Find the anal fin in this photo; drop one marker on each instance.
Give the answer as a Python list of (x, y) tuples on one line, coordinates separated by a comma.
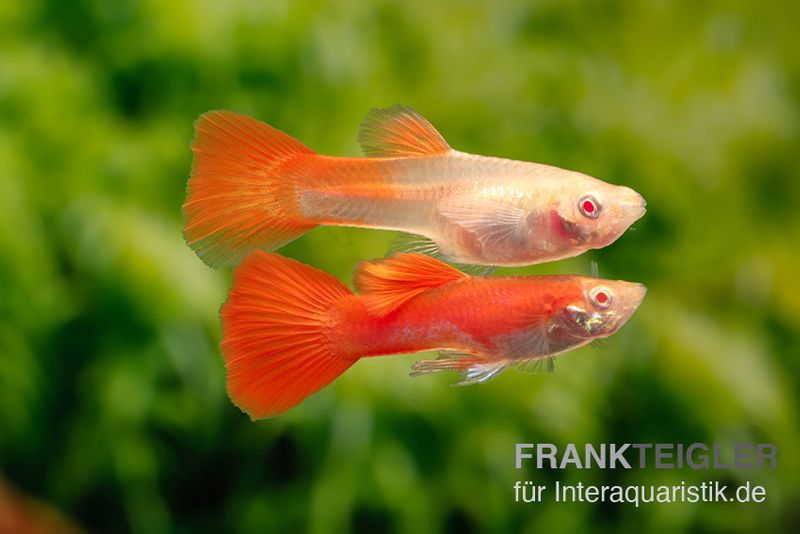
[(480, 373), (473, 368), (447, 361)]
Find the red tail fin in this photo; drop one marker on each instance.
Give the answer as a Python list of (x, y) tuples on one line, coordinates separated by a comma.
[(241, 192), (275, 334)]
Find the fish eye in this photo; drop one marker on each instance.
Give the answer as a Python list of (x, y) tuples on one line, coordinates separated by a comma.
[(589, 206), (601, 297)]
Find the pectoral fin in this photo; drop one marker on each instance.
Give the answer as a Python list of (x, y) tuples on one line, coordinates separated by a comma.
[(487, 224), (405, 242), (537, 366)]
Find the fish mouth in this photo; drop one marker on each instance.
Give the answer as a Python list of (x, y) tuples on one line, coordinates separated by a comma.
[(626, 214), (635, 208), (631, 297), (636, 295)]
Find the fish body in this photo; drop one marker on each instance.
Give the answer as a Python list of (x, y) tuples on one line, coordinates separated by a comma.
[(253, 186), (289, 329), (503, 319)]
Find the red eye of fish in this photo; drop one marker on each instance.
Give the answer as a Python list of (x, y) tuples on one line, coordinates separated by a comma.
[(601, 298), (589, 206)]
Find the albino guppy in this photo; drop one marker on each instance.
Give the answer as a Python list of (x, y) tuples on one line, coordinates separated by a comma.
[(254, 187), (289, 330)]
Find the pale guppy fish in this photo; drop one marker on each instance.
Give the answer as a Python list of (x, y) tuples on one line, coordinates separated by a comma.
[(254, 187)]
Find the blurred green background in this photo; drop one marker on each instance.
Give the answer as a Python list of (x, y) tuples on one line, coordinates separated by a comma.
[(112, 401)]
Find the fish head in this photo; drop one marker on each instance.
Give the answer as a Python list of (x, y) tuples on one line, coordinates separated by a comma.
[(601, 308), (589, 213)]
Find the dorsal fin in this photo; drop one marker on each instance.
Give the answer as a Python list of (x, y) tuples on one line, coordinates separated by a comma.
[(392, 281), (399, 131)]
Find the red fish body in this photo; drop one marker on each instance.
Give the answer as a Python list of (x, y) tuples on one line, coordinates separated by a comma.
[(289, 329), (468, 315)]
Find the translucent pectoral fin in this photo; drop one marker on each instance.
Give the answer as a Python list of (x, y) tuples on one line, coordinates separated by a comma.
[(473, 369), (475, 270), (490, 224), (536, 366), (601, 343), (405, 242)]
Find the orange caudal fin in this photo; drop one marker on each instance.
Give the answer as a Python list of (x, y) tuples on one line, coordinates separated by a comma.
[(241, 190), (275, 330)]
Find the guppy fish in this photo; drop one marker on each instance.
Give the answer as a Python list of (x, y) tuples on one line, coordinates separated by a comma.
[(289, 330), (254, 187)]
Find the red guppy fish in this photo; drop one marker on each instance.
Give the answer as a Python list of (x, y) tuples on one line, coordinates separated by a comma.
[(289, 329)]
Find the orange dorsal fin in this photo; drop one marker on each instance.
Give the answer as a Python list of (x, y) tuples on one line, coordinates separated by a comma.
[(399, 131), (390, 282)]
